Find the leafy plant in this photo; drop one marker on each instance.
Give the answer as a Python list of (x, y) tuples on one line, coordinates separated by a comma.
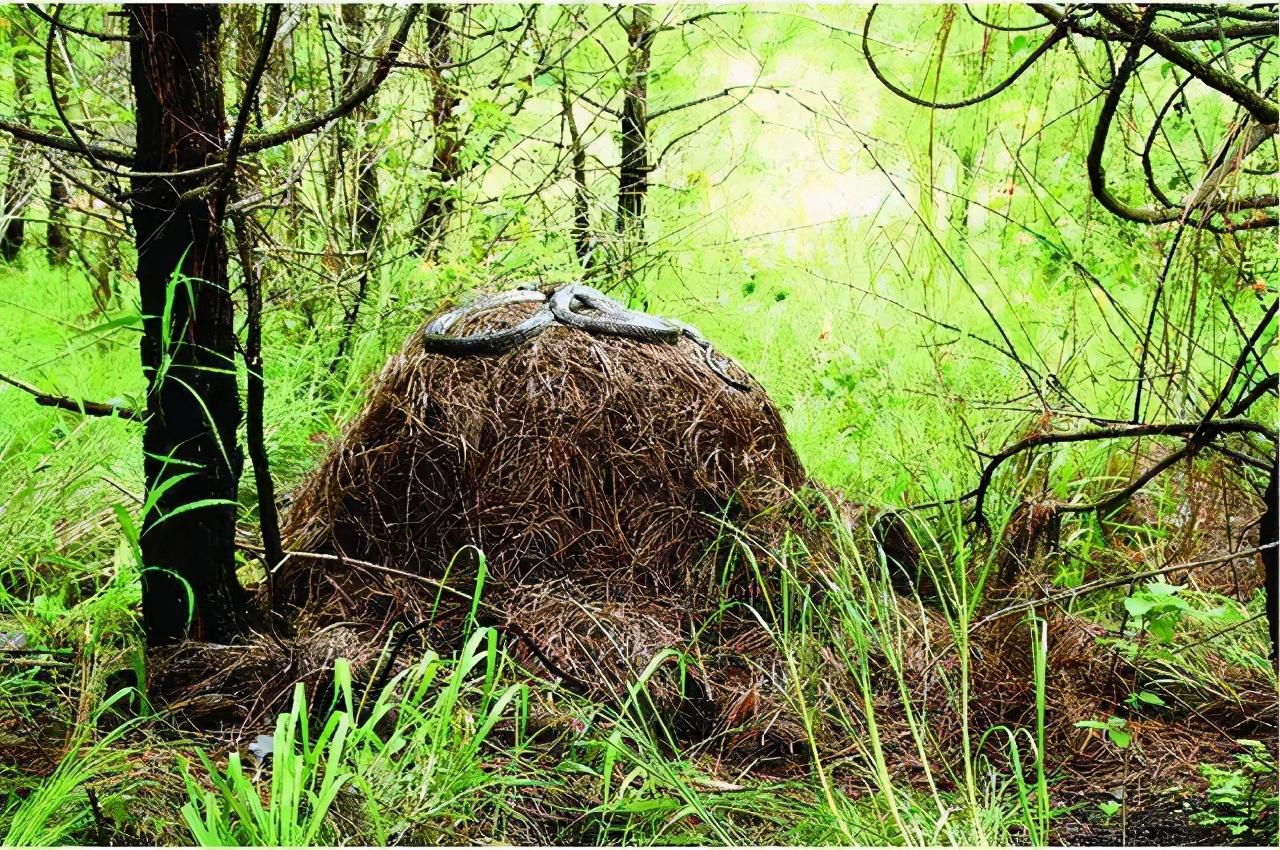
[(306, 776), (1157, 609), (421, 767), (1115, 727), (1242, 799), (58, 808)]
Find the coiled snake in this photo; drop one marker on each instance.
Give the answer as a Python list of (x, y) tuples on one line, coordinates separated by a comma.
[(566, 306)]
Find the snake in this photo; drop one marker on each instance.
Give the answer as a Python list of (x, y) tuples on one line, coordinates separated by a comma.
[(714, 362), (610, 319), (436, 337)]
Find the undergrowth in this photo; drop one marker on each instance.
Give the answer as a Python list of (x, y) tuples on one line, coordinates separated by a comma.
[(460, 750)]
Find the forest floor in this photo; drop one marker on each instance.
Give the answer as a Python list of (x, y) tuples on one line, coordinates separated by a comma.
[(1118, 712)]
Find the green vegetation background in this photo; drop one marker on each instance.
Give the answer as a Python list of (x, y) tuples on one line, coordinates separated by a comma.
[(839, 243)]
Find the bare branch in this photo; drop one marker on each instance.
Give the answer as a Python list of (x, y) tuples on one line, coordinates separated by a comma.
[(1053, 38), (358, 95), (88, 408), (266, 42)]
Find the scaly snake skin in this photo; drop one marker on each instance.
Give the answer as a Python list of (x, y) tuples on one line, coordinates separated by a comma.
[(564, 306)]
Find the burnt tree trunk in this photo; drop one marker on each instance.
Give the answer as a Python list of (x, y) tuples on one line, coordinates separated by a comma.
[(633, 173), (581, 210), (57, 248), (192, 460), (368, 212), (1269, 536), (445, 168)]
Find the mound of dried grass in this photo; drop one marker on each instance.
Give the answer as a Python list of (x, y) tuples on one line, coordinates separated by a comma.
[(601, 460), (600, 476)]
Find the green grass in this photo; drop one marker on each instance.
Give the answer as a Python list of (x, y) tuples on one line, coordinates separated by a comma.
[(443, 775), (819, 271)]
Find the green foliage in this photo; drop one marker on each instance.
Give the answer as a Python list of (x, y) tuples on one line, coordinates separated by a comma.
[(410, 761), (305, 781), (58, 809), (1157, 609), (1242, 798), (881, 269), (1116, 728)]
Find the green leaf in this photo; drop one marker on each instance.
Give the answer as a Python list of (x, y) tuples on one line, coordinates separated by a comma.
[(1161, 629), (1160, 588), (1138, 606), (1109, 808)]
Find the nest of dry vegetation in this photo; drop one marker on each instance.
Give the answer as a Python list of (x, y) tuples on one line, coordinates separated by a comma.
[(630, 501), (603, 463), (623, 494)]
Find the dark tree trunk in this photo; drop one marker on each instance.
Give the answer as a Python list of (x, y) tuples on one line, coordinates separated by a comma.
[(633, 173), (581, 211), (368, 210), (192, 462), (57, 248), (14, 232), (444, 159)]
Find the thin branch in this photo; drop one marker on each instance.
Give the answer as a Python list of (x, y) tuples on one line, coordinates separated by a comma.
[(725, 92), (268, 518), (1044, 47), (270, 27), (358, 95), (88, 408), (100, 36), (1238, 366), (61, 143), (1269, 384), (1204, 427), (54, 27), (1103, 584)]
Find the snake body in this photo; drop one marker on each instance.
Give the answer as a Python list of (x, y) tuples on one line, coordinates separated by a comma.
[(608, 317), (612, 318), (715, 363), (437, 338)]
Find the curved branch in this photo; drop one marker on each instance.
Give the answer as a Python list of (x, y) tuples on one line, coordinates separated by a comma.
[(1110, 502), (1003, 27), (1157, 126), (100, 36), (1142, 215), (1052, 39), (1262, 109), (270, 27), (1206, 428), (358, 95), (1093, 162), (54, 27)]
